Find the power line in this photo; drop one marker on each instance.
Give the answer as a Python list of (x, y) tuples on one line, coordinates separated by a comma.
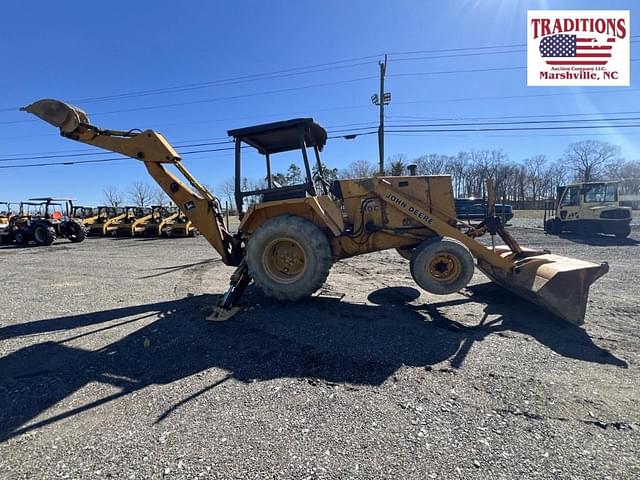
[(177, 144), (278, 74), (510, 97), (85, 154), (428, 119), (522, 122), (501, 129), (223, 82), (217, 99), (211, 84), (455, 55), (304, 70), (192, 152), (474, 70), (205, 122)]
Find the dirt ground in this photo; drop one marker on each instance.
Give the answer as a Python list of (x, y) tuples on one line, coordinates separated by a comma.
[(109, 370)]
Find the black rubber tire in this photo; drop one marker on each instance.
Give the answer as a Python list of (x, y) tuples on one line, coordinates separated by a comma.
[(43, 235), (77, 232), (624, 233), (20, 238), (427, 251), (548, 225), (555, 226), (309, 239), (406, 252)]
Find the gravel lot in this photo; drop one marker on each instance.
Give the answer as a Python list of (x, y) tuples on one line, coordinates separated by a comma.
[(109, 370)]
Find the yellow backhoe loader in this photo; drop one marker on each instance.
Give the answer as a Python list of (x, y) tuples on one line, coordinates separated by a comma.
[(161, 216), (107, 221), (134, 221), (289, 237)]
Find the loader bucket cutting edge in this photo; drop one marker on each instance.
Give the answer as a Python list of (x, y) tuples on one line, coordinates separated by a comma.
[(59, 114), (557, 284)]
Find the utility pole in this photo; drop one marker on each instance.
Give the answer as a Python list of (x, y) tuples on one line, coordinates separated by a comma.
[(381, 100)]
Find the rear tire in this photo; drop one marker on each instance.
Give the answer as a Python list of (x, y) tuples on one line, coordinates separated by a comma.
[(553, 226), (441, 266), (288, 257), (43, 235), (624, 233)]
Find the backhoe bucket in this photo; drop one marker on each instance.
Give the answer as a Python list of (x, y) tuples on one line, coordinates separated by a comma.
[(59, 114), (557, 284)]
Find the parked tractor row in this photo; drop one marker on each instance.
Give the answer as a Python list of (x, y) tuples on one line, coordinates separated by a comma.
[(41, 221), (156, 221)]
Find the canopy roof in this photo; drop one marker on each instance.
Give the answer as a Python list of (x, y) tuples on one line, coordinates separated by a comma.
[(50, 199), (282, 136)]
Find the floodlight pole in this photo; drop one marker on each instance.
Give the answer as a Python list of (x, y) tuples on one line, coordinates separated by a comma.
[(383, 70)]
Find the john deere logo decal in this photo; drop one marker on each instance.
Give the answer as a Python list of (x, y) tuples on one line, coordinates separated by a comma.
[(578, 47)]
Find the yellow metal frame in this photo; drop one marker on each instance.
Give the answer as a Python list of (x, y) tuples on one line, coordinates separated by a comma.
[(108, 224)]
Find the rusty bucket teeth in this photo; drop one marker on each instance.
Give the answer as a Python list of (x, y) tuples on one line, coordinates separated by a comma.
[(557, 284), (59, 114)]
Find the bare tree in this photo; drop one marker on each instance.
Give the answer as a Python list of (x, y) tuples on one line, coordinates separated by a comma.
[(228, 190), (141, 194), (397, 164), (630, 176), (432, 164), (359, 169), (458, 167), (159, 197), (536, 167), (590, 158), (112, 196)]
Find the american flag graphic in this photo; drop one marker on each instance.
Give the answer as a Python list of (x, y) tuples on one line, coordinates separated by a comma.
[(565, 49)]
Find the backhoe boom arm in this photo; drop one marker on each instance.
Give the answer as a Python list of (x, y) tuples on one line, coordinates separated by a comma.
[(150, 147)]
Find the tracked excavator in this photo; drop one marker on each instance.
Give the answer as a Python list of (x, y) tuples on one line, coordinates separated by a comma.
[(289, 236)]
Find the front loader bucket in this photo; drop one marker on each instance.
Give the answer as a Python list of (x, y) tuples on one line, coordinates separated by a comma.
[(557, 284), (59, 114)]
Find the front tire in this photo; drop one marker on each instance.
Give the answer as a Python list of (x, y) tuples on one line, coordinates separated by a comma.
[(43, 235), (20, 238), (77, 232), (441, 266), (288, 257)]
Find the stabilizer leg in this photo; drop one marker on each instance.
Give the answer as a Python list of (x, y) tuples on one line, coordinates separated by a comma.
[(228, 305)]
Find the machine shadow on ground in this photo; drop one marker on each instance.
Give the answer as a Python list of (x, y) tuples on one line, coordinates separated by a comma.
[(63, 245), (598, 240), (322, 338)]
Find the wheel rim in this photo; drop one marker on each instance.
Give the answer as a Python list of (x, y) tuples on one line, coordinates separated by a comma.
[(284, 260), (39, 235), (444, 267)]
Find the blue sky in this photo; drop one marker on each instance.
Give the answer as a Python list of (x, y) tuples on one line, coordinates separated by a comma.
[(79, 51)]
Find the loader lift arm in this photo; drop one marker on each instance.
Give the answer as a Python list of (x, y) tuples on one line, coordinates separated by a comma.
[(152, 148)]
